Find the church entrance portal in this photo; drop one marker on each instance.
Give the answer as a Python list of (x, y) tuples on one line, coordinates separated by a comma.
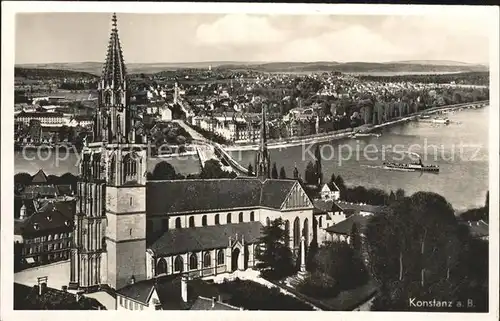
[(234, 259)]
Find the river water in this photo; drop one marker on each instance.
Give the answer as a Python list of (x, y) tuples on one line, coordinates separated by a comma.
[(460, 149)]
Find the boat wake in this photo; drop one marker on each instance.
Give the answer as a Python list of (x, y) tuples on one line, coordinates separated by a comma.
[(372, 166)]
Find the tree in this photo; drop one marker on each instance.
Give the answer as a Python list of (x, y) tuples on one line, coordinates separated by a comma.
[(332, 179), (310, 174), (282, 173), (250, 170), (68, 179), (274, 254), (20, 181), (311, 253), (64, 133), (392, 197), (339, 181), (356, 239), (412, 248), (163, 171), (213, 169), (339, 268), (400, 194), (295, 172), (274, 172), (318, 168)]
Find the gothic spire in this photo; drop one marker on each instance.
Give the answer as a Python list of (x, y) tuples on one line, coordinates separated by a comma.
[(263, 159), (263, 136), (113, 72)]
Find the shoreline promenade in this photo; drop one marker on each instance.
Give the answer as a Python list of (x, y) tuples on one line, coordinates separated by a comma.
[(345, 133)]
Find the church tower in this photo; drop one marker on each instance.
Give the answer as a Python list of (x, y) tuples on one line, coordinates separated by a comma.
[(263, 162), (110, 231)]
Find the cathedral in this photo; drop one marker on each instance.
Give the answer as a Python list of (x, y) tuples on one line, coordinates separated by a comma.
[(128, 229)]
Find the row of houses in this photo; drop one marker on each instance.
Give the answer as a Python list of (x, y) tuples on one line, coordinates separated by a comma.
[(43, 222), (53, 119)]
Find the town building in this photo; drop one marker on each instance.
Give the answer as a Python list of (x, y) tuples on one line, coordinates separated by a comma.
[(45, 118), (41, 297), (171, 293), (478, 229), (43, 232), (40, 188)]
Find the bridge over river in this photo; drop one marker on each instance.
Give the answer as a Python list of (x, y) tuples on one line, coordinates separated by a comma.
[(208, 150)]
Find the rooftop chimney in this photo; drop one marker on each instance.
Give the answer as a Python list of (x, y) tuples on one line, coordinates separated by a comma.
[(184, 293), (132, 279), (213, 302)]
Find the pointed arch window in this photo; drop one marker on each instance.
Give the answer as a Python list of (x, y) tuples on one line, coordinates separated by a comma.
[(118, 98), (217, 219), (161, 267), (193, 262), (130, 167), (118, 127), (252, 216), (178, 264), (107, 98), (207, 259), (96, 166), (220, 257), (178, 222), (228, 218), (112, 170), (191, 221), (240, 217), (204, 220)]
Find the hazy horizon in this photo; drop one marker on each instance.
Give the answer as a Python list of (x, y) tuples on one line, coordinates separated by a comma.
[(47, 38), (249, 62)]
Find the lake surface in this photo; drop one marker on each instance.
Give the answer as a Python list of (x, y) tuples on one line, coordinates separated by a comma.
[(462, 180), (463, 176)]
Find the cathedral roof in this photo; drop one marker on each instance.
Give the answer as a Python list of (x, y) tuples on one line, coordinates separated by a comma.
[(192, 196), (184, 240), (114, 67)]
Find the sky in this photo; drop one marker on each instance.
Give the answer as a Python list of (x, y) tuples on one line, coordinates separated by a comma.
[(173, 38)]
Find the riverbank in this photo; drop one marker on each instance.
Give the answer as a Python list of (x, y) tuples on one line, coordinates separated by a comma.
[(345, 133)]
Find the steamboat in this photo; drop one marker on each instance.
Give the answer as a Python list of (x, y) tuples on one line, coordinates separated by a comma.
[(412, 167)]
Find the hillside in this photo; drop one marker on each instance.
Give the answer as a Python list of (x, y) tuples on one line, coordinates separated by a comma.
[(49, 73), (420, 66)]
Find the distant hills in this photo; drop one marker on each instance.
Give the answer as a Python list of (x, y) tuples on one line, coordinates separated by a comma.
[(413, 66)]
